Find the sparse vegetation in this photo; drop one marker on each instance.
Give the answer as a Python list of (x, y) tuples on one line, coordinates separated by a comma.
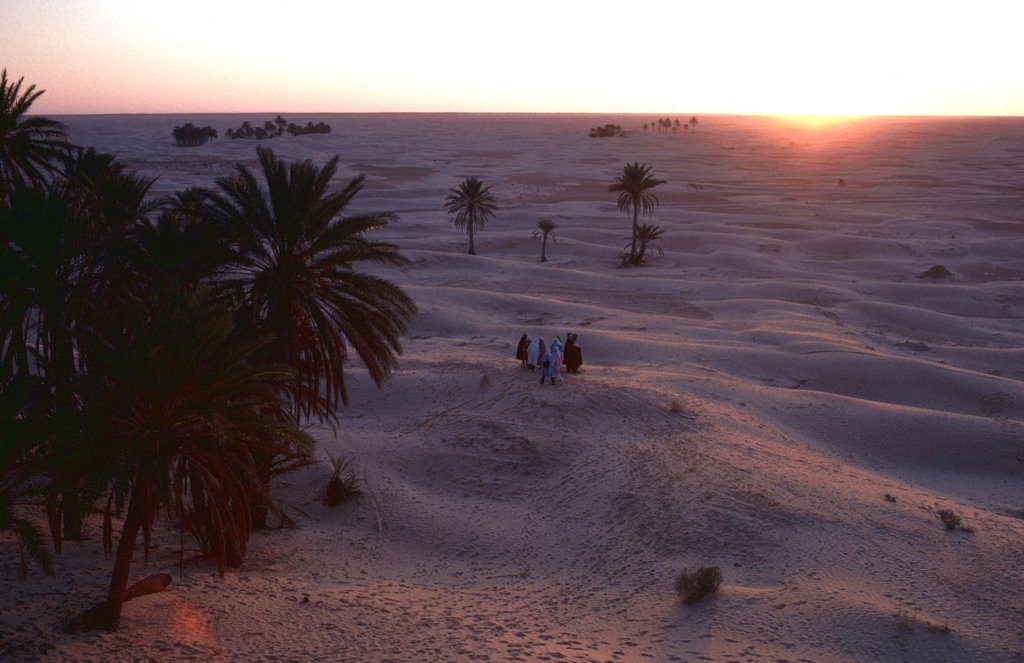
[(607, 131), (189, 135), (343, 484), (276, 128), (949, 519), (890, 498), (907, 622), (545, 229), (470, 204), (692, 586), (634, 187)]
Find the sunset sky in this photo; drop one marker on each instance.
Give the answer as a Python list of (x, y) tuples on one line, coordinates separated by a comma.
[(757, 57)]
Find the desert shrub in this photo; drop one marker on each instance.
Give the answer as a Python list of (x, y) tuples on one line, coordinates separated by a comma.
[(343, 485), (485, 381), (692, 586), (949, 519), (890, 498)]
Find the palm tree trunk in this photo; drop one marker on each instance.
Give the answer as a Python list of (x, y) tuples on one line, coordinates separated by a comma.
[(472, 249), (123, 557), (632, 250), (544, 249)]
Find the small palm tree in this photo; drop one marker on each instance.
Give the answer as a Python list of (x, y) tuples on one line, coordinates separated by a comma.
[(635, 196), (545, 229), (30, 147), (693, 123), (472, 204), (646, 235)]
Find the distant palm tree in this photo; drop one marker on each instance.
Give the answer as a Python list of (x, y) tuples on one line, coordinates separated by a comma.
[(545, 229), (472, 204), (693, 123), (294, 280), (30, 147), (646, 235), (635, 196), (181, 407)]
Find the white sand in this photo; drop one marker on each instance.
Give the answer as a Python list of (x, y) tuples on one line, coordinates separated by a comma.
[(747, 401)]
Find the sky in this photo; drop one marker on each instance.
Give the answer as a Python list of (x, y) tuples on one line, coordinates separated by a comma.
[(812, 57)]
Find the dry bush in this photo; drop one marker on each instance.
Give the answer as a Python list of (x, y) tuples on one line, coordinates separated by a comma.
[(343, 485), (949, 519), (890, 498), (692, 586)]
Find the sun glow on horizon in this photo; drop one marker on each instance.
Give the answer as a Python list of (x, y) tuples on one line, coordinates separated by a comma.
[(792, 57)]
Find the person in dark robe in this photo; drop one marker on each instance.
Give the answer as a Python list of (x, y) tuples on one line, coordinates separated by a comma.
[(524, 342), (573, 353)]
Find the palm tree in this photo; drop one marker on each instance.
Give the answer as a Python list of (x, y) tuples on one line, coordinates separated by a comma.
[(472, 204), (693, 123), (182, 408), (635, 196), (30, 147), (646, 235), (63, 246), (545, 229), (294, 280)]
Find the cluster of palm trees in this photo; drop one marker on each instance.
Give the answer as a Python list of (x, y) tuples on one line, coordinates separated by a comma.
[(189, 135), (276, 128), (668, 124), (157, 357), (471, 204)]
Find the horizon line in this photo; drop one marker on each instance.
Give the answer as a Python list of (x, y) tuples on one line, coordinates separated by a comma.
[(604, 113)]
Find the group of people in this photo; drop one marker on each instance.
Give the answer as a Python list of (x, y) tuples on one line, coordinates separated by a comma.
[(534, 355)]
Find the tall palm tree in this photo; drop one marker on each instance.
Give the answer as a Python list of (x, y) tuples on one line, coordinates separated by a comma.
[(63, 247), (635, 196), (294, 276), (182, 407), (545, 229), (472, 204), (30, 147), (294, 279)]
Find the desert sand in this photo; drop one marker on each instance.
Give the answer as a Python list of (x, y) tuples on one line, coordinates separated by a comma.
[(748, 401)]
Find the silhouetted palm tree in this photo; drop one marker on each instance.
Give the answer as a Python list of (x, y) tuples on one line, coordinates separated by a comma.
[(472, 204), (181, 407), (294, 280), (63, 246), (646, 235), (545, 229), (30, 147), (693, 123), (635, 196), (295, 276)]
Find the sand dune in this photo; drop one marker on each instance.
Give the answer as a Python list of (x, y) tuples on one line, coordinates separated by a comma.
[(748, 400)]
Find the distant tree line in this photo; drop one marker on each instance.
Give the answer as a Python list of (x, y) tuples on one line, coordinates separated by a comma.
[(607, 131), (668, 124), (276, 128), (189, 135)]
